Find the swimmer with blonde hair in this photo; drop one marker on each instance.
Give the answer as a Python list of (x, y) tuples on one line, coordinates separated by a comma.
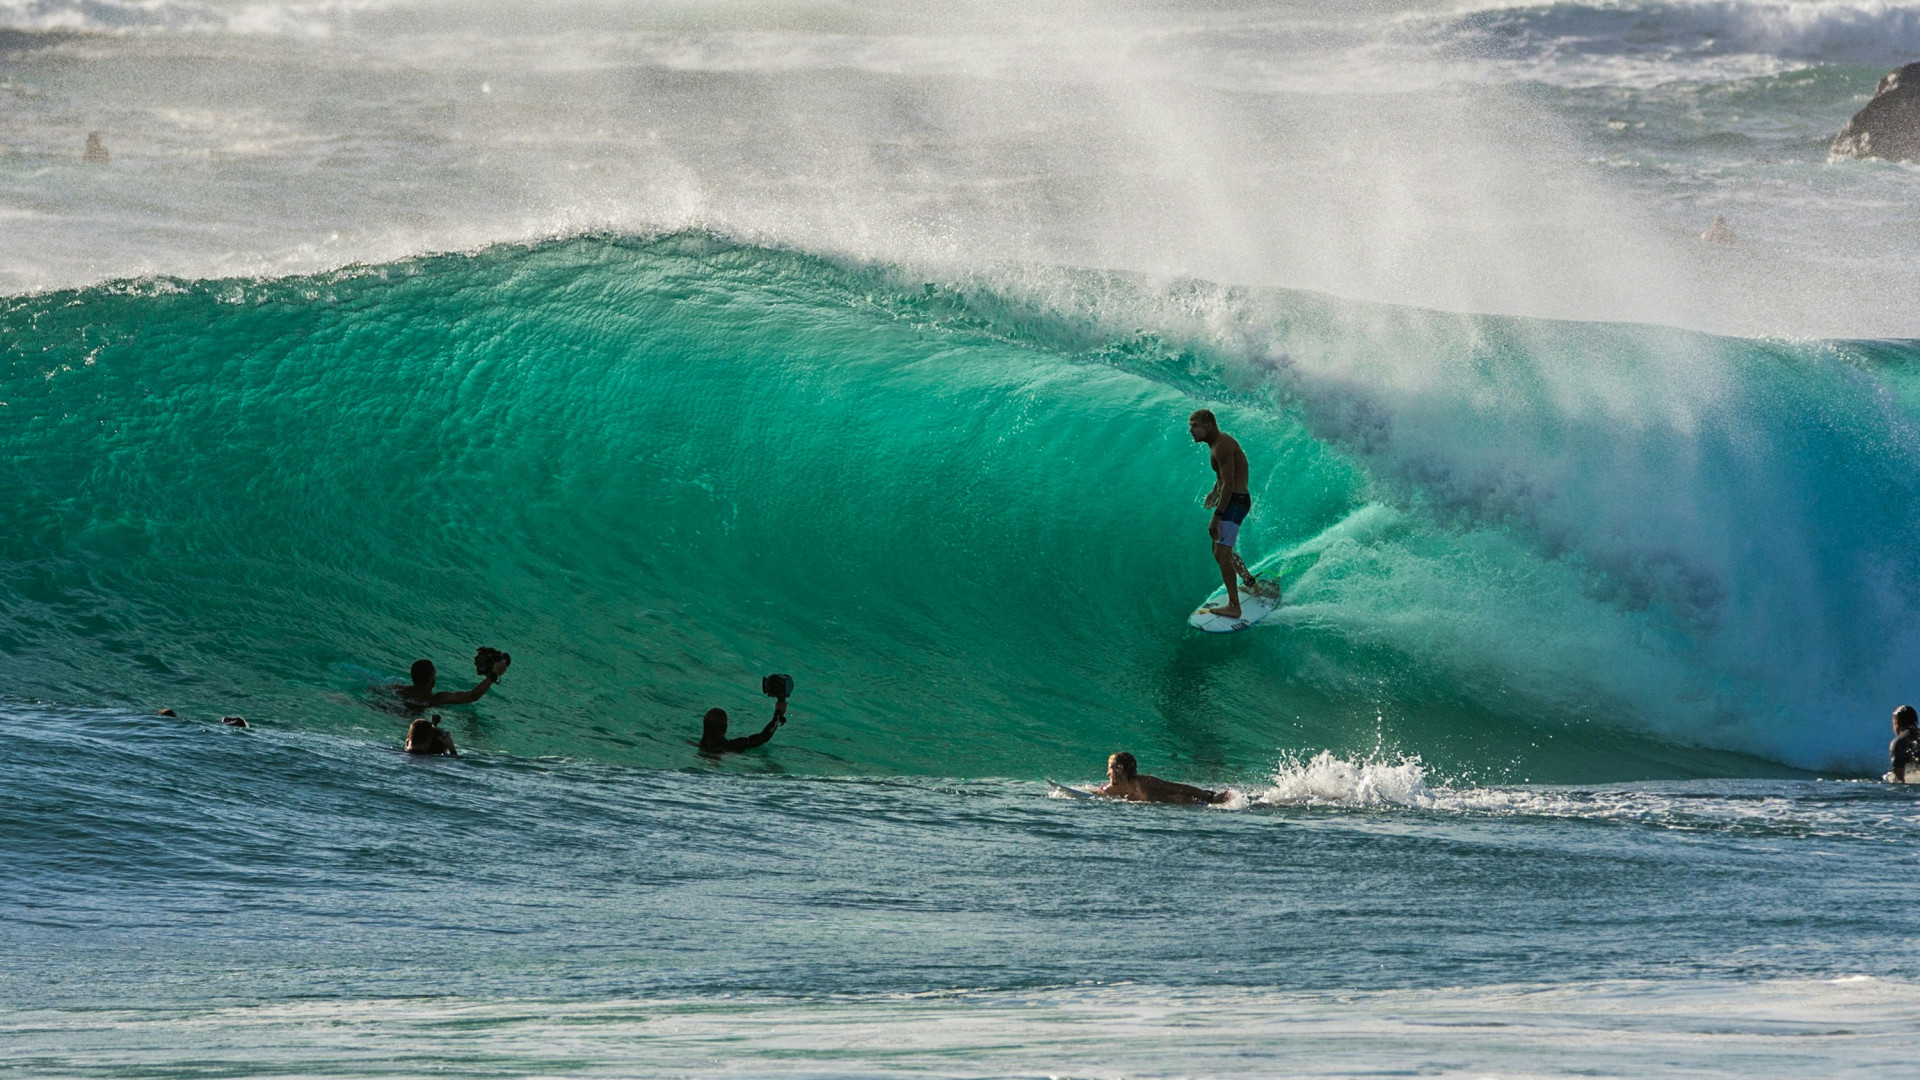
[(425, 737)]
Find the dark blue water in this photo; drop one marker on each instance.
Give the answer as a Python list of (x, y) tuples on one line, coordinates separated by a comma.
[(179, 892)]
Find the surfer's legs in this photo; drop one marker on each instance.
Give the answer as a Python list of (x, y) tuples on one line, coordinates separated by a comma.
[(1268, 589), (1228, 561), (1231, 568)]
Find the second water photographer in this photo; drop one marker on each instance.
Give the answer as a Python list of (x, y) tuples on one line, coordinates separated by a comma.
[(713, 726)]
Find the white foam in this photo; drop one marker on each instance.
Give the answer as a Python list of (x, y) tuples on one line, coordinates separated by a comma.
[(1652, 1028), (1326, 780), (1385, 782)]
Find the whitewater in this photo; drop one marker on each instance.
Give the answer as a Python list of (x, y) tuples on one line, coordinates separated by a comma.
[(671, 344)]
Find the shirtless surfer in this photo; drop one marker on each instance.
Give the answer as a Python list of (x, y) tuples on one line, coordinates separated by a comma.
[(1230, 502), (1126, 781)]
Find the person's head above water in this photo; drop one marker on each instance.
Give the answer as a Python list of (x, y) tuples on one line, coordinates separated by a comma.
[(713, 726), (1904, 717), (1122, 766), (424, 736), (423, 673), (1202, 425)]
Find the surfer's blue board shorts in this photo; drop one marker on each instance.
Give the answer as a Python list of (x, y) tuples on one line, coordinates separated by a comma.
[(1231, 515)]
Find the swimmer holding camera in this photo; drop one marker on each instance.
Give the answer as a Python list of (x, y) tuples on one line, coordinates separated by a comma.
[(488, 663), (713, 726)]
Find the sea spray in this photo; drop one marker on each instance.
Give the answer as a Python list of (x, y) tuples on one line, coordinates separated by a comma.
[(1326, 780)]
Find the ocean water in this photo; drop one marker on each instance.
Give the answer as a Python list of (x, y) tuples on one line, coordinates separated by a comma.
[(666, 345)]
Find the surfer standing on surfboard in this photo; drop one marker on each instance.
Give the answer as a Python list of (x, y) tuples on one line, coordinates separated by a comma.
[(1230, 501)]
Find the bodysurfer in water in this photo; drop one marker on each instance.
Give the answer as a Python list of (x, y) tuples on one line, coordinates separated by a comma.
[(1126, 781), (1230, 502)]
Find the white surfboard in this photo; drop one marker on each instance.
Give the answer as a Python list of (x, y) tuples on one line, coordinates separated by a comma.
[(1252, 609), (1066, 792)]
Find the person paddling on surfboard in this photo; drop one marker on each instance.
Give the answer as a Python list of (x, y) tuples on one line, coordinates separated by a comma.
[(1230, 501), (1126, 781)]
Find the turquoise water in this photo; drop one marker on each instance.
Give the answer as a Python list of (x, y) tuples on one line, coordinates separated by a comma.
[(966, 517), (666, 345), (1556, 762)]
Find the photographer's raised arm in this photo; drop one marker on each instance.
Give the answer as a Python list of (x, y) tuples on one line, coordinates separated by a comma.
[(464, 697), (420, 693), (758, 738), (713, 733)]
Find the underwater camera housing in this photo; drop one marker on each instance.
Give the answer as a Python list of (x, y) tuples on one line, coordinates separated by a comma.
[(777, 686), (486, 658)]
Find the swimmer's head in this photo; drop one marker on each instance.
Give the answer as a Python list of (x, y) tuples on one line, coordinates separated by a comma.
[(423, 673), (713, 726), (421, 738), (1904, 717), (1123, 764)]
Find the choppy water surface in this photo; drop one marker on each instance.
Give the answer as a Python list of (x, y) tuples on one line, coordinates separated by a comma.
[(201, 901)]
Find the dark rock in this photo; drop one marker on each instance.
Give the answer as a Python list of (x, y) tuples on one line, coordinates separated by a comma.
[(1889, 127)]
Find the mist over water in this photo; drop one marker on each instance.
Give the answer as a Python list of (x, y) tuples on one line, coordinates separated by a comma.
[(1553, 160)]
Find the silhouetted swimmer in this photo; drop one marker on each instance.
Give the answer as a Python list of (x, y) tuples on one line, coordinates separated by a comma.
[(234, 721), (713, 726), (96, 151), (166, 712), (420, 693), (1905, 748), (1126, 781), (425, 736), (1719, 232)]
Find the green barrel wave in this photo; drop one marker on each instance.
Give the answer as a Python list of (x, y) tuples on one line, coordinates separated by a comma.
[(967, 519)]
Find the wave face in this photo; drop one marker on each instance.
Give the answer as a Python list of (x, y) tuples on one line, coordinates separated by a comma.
[(965, 515)]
